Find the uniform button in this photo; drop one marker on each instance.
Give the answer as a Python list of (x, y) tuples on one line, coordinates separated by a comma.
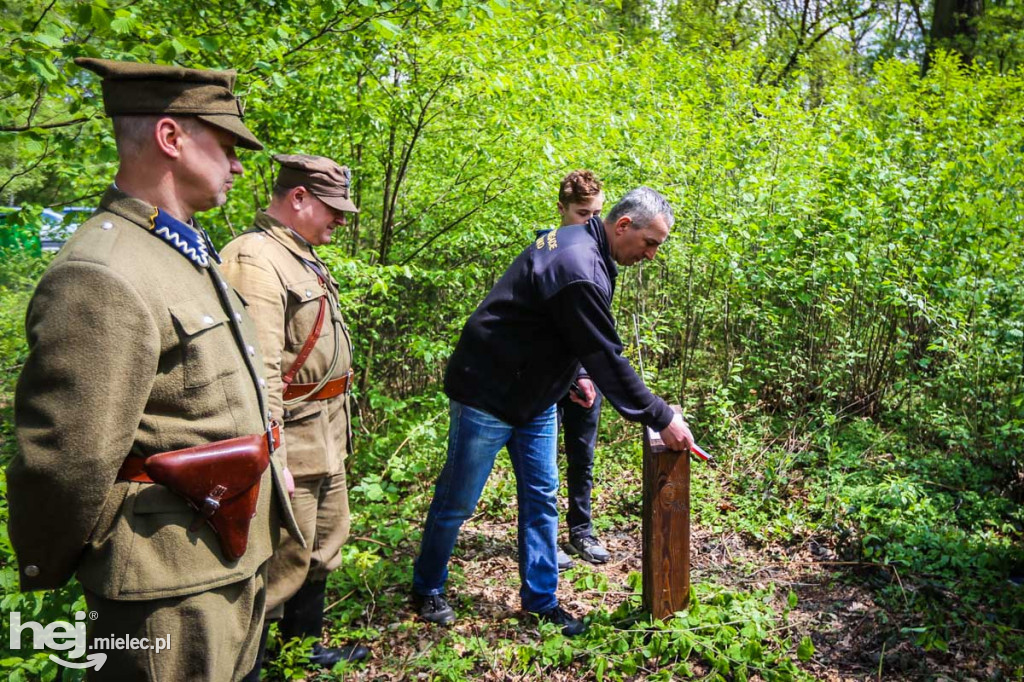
[(106, 226), (207, 319), (263, 382), (238, 316), (223, 285), (309, 293), (31, 570), (251, 351)]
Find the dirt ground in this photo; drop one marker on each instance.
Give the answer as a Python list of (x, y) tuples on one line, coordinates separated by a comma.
[(853, 638)]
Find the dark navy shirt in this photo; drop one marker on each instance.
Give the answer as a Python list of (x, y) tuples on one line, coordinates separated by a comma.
[(549, 312)]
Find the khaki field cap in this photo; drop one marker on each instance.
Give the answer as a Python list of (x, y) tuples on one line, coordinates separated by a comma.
[(133, 88), (328, 181)]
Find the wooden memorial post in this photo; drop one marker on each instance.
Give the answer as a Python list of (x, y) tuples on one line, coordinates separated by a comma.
[(666, 527)]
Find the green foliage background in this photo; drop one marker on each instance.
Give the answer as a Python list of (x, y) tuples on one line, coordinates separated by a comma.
[(840, 308)]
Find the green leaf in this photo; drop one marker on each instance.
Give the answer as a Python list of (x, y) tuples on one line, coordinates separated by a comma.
[(549, 152), (123, 23), (209, 43), (42, 68), (805, 650), (99, 18), (190, 44), (166, 50), (387, 29), (48, 39)]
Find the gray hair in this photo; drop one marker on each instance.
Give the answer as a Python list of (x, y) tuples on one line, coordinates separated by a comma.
[(643, 205)]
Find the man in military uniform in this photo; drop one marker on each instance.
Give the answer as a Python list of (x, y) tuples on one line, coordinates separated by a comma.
[(308, 360), (138, 347), (517, 355)]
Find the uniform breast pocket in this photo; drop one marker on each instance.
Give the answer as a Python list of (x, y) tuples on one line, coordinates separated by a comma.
[(305, 300), (208, 349)]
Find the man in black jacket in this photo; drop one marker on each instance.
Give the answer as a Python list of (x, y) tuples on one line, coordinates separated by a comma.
[(517, 355)]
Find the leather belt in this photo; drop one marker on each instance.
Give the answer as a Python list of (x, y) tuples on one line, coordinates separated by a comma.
[(134, 468), (332, 388)]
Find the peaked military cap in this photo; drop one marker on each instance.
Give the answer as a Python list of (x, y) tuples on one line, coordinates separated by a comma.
[(328, 181), (133, 88)]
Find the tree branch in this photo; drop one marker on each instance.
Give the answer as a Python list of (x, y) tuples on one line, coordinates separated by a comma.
[(40, 19), (72, 202), (61, 124), (465, 215), (805, 48), (46, 151), (919, 19)]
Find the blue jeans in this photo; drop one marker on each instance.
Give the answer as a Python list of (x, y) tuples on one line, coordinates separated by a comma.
[(474, 439), (579, 426)]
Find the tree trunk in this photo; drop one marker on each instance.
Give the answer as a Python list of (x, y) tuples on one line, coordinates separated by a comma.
[(954, 27)]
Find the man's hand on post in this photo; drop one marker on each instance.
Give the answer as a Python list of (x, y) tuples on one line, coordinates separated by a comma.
[(586, 387), (676, 435)]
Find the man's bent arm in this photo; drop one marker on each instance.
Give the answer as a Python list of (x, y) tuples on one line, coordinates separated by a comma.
[(585, 321), (93, 354)]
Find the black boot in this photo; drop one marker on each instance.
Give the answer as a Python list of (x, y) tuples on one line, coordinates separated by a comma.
[(304, 617), (254, 674)]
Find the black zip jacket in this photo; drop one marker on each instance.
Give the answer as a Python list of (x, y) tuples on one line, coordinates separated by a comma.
[(550, 311)]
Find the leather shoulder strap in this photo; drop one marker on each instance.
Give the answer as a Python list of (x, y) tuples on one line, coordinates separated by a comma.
[(311, 340)]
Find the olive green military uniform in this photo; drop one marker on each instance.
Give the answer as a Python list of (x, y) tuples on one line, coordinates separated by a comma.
[(136, 349), (279, 274)]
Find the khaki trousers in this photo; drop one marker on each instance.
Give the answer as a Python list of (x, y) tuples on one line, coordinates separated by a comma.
[(321, 511), (213, 635)]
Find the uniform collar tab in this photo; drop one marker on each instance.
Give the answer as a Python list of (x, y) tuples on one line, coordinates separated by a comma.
[(191, 241)]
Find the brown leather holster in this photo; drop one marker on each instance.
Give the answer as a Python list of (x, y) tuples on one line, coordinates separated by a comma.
[(220, 480)]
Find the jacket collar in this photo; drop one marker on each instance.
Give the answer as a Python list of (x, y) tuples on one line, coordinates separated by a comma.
[(295, 244), (188, 239), (280, 232), (128, 207), (595, 225)]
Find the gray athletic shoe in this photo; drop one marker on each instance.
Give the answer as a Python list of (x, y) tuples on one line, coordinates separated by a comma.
[(565, 562), (589, 549)]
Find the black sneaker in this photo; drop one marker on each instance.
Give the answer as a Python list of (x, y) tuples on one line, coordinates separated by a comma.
[(559, 616), (328, 657), (589, 549), (434, 608)]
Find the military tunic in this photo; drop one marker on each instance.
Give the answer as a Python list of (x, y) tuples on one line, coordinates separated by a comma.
[(280, 276), (132, 352)]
